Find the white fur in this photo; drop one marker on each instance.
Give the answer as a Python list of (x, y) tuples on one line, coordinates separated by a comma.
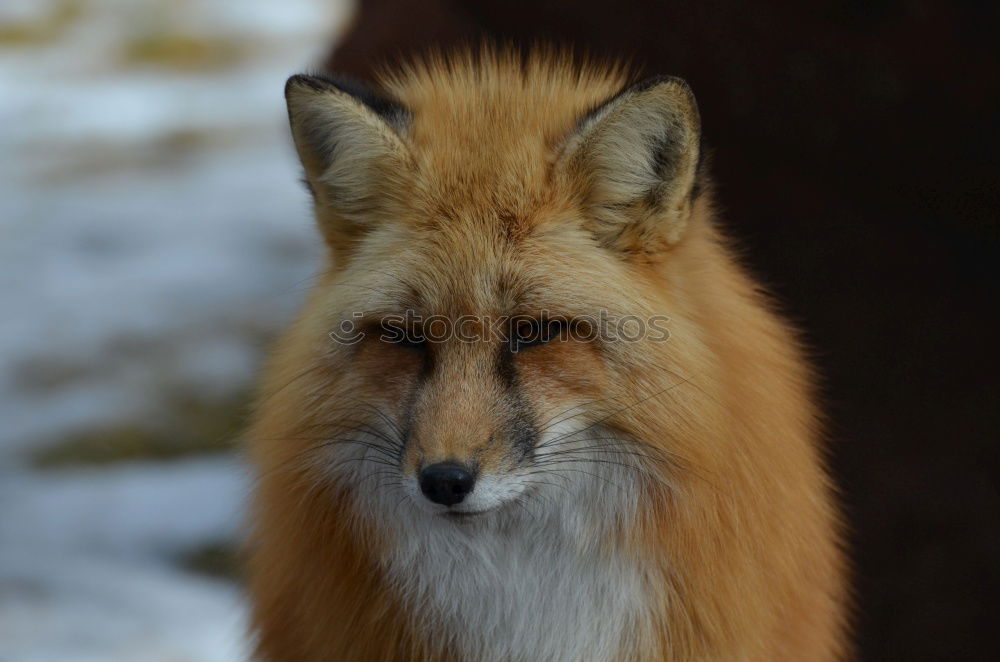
[(535, 578)]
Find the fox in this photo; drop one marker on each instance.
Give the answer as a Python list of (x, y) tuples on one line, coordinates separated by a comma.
[(476, 441)]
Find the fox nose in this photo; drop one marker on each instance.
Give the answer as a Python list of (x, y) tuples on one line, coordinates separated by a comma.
[(446, 483)]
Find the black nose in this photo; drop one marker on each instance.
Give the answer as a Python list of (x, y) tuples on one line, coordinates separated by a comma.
[(446, 483)]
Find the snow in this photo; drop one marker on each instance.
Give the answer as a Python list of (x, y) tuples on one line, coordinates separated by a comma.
[(153, 236), (81, 607), (136, 511), (86, 562)]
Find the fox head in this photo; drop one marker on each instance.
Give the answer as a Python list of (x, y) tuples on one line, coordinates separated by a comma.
[(532, 407), (505, 249)]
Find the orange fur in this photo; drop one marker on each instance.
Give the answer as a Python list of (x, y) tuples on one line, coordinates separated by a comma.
[(475, 208)]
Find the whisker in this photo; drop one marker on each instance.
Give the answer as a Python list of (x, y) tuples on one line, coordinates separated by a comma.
[(581, 471), (545, 482), (624, 465), (550, 422), (603, 449), (619, 411)]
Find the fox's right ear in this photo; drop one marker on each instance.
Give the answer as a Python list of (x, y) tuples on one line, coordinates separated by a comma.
[(634, 161), (349, 140)]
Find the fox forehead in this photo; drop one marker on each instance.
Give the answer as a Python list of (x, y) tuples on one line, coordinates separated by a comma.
[(456, 270), (483, 139)]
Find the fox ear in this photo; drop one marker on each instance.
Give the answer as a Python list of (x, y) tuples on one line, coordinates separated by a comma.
[(349, 141), (634, 162)]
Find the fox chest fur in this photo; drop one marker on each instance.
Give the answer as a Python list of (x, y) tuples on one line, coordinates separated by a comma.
[(528, 589), (533, 409)]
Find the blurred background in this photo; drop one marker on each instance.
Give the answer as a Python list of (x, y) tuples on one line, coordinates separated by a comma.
[(153, 239)]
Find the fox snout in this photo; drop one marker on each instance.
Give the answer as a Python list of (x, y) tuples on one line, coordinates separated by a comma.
[(444, 476), (472, 480), (468, 432)]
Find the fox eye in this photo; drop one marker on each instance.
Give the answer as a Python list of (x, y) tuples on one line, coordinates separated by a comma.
[(395, 334), (525, 333)]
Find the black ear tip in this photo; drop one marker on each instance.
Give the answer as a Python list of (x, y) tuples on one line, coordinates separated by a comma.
[(379, 103), (303, 80)]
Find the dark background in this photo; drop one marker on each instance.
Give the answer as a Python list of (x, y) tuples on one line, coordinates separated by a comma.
[(855, 151)]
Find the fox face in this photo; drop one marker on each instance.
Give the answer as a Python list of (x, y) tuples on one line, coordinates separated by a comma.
[(486, 377), (484, 255)]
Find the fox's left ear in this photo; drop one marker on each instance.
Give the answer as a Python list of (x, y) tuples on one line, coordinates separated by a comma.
[(634, 163), (350, 141)]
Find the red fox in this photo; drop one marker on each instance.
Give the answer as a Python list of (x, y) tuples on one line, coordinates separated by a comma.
[(533, 409)]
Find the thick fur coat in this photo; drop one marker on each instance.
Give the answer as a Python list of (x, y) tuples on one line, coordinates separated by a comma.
[(638, 495)]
